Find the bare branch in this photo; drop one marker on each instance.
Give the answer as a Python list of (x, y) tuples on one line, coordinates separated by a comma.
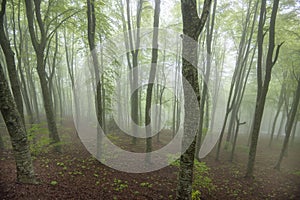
[(65, 19), (277, 53), (204, 16)]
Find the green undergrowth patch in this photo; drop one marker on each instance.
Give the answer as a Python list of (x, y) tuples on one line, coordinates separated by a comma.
[(119, 185), (202, 180), (297, 172)]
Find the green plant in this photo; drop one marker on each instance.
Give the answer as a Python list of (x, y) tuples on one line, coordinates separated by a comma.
[(53, 183), (120, 185), (38, 139), (297, 173), (61, 164), (146, 184), (202, 179), (196, 194), (172, 160), (112, 137)]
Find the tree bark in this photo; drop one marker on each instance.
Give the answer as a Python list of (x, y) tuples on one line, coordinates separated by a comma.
[(10, 62), (192, 27), (17, 132)]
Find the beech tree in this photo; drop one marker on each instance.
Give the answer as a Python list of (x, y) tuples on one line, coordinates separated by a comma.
[(263, 77), (91, 39), (289, 124), (192, 27), (152, 78), (16, 129), (40, 37), (10, 62)]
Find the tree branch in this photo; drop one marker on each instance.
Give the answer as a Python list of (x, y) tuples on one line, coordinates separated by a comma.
[(3, 6), (204, 16), (56, 17), (65, 19), (277, 53)]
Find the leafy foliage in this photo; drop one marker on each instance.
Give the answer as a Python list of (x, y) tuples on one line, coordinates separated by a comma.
[(202, 181), (38, 139)]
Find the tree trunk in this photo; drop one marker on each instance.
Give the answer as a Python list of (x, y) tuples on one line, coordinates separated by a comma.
[(283, 119), (262, 84), (151, 81), (192, 27), (238, 124), (39, 47), (289, 125), (91, 38), (294, 132), (53, 133), (17, 132), (280, 103), (10, 62), (30, 83)]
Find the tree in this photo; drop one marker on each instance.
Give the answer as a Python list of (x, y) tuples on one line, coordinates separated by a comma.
[(91, 38), (289, 125), (39, 39), (10, 62), (240, 76), (192, 27), (16, 129), (262, 83), (204, 96), (151, 79), (279, 105), (134, 44)]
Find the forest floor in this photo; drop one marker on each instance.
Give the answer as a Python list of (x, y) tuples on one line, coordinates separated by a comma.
[(75, 174)]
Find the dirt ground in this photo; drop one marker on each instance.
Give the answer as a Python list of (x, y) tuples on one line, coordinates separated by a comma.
[(75, 174)]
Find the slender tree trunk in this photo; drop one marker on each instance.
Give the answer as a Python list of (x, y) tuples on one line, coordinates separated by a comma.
[(31, 85), (241, 67), (39, 47), (262, 84), (289, 125), (91, 39), (151, 81), (19, 53), (280, 103), (134, 47), (238, 124), (204, 95), (53, 133), (294, 132)]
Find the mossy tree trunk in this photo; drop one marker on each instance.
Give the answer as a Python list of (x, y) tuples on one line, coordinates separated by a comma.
[(10, 62), (192, 27), (17, 132)]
